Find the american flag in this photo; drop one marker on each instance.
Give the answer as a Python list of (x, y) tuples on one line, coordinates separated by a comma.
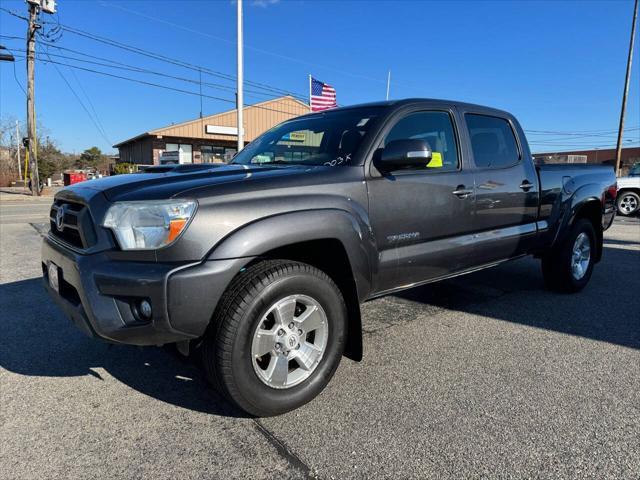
[(323, 96)]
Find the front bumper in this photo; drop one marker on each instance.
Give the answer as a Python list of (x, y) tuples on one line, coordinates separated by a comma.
[(99, 293)]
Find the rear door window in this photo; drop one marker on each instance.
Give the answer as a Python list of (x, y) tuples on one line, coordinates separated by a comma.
[(493, 142)]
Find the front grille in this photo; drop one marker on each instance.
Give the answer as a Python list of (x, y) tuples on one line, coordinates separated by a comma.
[(76, 227)]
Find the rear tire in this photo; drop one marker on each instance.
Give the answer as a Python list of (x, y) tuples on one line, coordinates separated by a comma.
[(258, 351), (628, 203), (568, 267)]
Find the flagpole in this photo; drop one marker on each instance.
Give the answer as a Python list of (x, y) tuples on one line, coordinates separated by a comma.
[(309, 92), (239, 94), (388, 83)]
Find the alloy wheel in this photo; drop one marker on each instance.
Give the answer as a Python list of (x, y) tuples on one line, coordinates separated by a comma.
[(581, 256), (289, 341)]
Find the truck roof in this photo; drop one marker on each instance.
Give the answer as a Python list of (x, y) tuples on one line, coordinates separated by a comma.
[(409, 101)]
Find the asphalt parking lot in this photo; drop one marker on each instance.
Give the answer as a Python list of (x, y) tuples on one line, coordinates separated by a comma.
[(487, 375)]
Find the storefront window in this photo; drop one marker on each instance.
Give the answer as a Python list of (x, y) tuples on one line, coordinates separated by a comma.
[(184, 150), (215, 154), (211, 154)]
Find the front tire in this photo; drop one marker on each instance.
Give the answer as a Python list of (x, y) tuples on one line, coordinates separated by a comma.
[(568, 267), (628, 203), (277, 337)]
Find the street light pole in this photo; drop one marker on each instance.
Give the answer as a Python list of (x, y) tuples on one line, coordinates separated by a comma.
[(31, 113), (626, 90), (239, 96)]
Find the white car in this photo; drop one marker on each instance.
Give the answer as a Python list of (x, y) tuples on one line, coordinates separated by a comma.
[(629, 192)]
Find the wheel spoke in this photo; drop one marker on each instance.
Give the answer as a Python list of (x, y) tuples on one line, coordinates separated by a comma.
[(278, 370), (308, 355), (264, 343), (311, 319), (284, 311)]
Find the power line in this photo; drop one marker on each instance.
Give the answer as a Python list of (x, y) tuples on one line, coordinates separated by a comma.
[(115, 64), (91, 105), (12, 13), (95, 123), (583, 146), (248, 47), (164, 58), (553, 138), (15, 74), (573, 132), (580, 138), (166, 87)]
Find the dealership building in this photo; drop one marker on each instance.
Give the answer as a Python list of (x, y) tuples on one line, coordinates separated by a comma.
[(208, 139)]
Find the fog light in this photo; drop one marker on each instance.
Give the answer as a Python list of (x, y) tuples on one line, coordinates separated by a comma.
[(144, 308)]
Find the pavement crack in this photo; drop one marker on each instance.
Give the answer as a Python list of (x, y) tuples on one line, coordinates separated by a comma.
[(294, 460)]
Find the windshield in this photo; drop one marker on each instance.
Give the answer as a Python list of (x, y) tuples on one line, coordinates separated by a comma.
[(331, 139)]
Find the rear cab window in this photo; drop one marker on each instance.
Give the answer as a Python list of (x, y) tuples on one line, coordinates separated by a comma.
[(493, 142)]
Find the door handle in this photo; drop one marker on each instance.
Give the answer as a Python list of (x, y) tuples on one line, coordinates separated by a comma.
[(462, 192), (526, 185)]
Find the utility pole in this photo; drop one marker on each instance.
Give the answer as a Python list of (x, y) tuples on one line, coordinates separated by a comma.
[(239, 97), (31, 111), (626, 89), (18, 148)]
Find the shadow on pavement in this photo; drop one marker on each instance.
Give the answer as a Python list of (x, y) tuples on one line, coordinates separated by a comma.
[(613, 241), (606, 310), (38, 340)]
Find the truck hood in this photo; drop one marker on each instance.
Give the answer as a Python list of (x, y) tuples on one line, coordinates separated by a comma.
[(166, 182)]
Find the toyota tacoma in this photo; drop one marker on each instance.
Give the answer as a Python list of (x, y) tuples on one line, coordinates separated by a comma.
[(261, 265)]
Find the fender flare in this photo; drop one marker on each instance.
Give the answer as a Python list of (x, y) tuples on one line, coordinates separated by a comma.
[(584, 195), (266, 234)]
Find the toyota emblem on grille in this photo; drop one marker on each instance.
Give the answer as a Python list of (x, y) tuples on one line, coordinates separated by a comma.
[(60, 218)]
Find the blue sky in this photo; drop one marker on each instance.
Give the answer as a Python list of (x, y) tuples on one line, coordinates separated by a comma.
[(558, 66)]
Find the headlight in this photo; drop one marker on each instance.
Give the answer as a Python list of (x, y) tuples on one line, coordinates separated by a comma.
[(148, 225)]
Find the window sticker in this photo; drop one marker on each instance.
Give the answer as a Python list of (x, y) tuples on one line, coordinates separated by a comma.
[(436, 160)]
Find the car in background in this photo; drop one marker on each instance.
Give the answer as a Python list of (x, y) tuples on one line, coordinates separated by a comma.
[(628, 202)]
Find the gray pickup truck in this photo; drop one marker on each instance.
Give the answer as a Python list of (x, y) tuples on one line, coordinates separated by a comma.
[(260, 266)]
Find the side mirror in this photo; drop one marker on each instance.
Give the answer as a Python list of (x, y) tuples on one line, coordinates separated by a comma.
[(409, 153)]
